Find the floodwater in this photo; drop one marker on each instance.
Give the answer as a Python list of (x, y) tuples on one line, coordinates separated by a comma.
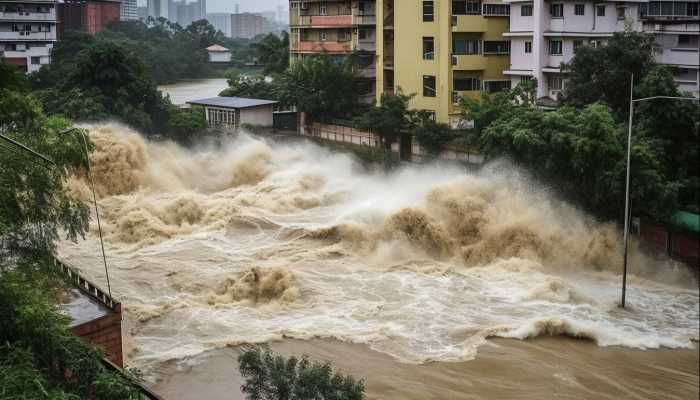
[(184, 91), (252, 241)]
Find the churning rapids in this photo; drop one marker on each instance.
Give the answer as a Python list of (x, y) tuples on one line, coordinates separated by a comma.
[(252, 241)]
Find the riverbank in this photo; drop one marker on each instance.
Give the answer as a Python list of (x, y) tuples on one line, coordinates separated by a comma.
[(544, 368)]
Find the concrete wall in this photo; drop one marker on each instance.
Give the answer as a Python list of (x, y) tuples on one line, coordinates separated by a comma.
[(222, 57), (259, 116)]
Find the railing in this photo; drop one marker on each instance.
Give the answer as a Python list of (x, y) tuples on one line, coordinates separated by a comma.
[(331, 47), (364, 19), (73, 276)]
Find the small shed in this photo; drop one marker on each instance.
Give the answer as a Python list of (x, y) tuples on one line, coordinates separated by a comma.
[(219, 54), (234, 111)]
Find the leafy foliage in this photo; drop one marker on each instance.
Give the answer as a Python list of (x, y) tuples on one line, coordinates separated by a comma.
[(255, 87), (431, 135), (602, 73), (272, 377), (273, 53), (321, 86), (389, 118)]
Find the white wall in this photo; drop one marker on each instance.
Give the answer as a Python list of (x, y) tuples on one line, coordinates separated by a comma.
[(260, 116), (519, 23), (219, 57), (519, 60)]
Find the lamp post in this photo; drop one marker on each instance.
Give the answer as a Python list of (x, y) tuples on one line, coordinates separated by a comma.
[(627, 184), (94, 200)]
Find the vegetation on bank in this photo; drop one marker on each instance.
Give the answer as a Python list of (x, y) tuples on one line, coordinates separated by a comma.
[(272, 377), (39, 357), (580, 148)]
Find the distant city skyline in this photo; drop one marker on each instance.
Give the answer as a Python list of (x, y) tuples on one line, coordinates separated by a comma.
[(214, 6)]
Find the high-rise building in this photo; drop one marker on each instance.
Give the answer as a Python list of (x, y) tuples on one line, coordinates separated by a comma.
[(247, 25), (676, 27), (91, 16), (159, 8), (441, 51), (338, 28), (142, 13), (185, 13), (28, 30), (221, 21), (128, 10)]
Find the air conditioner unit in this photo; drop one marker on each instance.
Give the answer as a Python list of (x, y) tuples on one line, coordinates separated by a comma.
[(454, 59)]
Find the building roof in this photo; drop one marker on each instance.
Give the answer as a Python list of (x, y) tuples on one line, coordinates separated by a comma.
[(218, 49), (231, 102)]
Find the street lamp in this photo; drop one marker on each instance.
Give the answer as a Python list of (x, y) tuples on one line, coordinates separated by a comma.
[(94, 200), (627, 185)]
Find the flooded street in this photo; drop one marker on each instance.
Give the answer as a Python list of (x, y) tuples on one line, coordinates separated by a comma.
[(429, 281), (182, 92)]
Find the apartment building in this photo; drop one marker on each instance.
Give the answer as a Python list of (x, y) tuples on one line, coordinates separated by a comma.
[(676, 26), (27, 32), (129, 10), (221, 21), (91, 16), (441, 51), (338, 28), (247, 25)]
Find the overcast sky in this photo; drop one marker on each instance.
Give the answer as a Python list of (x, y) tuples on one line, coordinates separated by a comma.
[(245, 5)]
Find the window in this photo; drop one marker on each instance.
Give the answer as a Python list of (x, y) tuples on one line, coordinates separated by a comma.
[(555, 83), (555, 47), (466, 46), (600, 11), (577, 43), (692, 10), (466, 84), (579, 9), (526, 10), (429, 86), (428, 48), (556, 10), (343, 36), (496, 86), (497, 47), (324, 36), (496, 9), (36, 60), (428, 11), (621, 13), (528, 47), (322, 9), (362, 34), (466, 7)]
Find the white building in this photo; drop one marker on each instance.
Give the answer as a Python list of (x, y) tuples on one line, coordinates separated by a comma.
[(676, 25), (27, 32), (219, 54), (235, 111), (544, 35), (128, 10)]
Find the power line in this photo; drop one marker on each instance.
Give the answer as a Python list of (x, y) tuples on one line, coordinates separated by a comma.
[(23, 147), (25, 156)]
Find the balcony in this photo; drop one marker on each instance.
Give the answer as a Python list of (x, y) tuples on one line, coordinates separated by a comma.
[(678, 56), (469, 23), (364, 19), (28, 16), (326, 21), (369, 72), (366, 45), (28, 35), (389, 62), (474, 62), (322, 47)]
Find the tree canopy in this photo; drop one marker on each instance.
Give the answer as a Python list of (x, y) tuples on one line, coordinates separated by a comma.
[(273, 53), (272, 377)]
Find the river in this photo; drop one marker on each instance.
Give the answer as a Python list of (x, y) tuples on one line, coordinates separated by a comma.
[(184, 91), (408, 275)]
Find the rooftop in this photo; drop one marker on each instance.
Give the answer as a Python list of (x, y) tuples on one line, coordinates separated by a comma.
[(231, 102), (218, 49)]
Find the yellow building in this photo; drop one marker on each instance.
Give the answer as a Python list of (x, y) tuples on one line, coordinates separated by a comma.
[(441, 50)]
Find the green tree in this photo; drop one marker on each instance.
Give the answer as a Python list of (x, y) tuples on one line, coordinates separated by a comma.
[(272, 377), (433, 136), (602, 73), (273, 53), (11, 77), (321, 86), (389, 119), (254, 87)]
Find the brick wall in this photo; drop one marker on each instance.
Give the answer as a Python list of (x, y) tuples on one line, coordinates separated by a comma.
[(106, 333)]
